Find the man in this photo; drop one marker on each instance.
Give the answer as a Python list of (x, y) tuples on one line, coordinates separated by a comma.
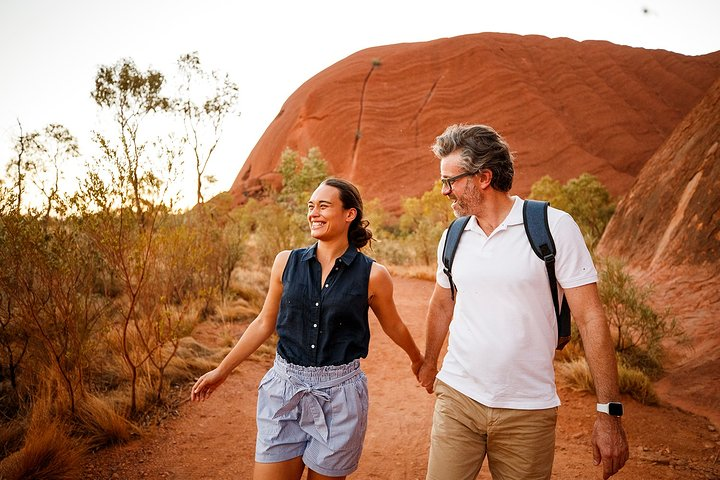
[(495, 393)]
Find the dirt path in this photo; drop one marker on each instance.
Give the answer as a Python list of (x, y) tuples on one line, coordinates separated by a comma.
[(216, 439)]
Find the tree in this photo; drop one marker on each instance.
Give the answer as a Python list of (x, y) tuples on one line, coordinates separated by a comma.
[(585, 198), (423, 221), (131, 95), (300, 176), (207, 99), (50, 149), (17, 168)]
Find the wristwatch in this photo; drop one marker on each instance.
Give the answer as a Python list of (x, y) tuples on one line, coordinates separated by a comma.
[(614, 409)]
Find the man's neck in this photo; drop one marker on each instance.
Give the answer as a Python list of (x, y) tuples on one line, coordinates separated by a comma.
[(494, 209)]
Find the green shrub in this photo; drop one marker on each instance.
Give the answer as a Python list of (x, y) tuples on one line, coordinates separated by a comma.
[(421, 225), (585, 198), (638, 330)]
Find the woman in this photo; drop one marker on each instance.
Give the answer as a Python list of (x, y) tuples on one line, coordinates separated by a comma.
[(312, 404)]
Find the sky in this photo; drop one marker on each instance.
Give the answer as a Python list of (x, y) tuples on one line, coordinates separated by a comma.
[(50, 50)]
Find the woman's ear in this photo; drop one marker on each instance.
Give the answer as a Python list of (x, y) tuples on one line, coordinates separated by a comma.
[(350, 215)]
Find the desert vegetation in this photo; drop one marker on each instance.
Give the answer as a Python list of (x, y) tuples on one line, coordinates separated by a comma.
[(102, 288), (639, 331)]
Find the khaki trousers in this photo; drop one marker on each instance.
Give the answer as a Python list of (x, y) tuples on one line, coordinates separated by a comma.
[(519, 444)]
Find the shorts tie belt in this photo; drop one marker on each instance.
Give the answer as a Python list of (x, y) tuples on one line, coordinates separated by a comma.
[(308, 398)]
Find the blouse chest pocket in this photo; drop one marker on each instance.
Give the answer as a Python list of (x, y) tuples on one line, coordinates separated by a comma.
[(296, 296)]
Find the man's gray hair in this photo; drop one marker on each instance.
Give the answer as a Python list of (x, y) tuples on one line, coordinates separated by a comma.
[(481, 148)]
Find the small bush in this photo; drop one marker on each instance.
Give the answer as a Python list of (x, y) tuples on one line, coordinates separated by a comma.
[(636, 384), (637, 328), (585, 198), (577, 375), (631, 381)]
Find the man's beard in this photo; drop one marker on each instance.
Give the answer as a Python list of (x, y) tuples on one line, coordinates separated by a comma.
[(467, 203)]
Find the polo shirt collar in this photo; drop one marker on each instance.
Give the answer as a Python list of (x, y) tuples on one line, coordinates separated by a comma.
[(346, 257), (514, 217)]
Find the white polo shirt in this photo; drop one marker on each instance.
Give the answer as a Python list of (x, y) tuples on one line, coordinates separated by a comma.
[(504, 331)]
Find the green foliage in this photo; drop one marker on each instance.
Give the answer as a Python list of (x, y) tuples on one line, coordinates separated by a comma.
[(585, 198), (422, 223), (300, 176), (638, 329)]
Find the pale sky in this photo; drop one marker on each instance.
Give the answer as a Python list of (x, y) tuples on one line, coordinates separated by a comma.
[(50, 50)]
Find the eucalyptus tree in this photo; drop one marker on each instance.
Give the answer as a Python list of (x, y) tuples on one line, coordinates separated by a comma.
[(207, 99)]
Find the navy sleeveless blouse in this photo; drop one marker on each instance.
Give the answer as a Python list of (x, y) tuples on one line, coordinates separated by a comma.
[(320, 325)]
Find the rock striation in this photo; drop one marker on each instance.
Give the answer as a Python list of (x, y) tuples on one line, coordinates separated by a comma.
[(566, 107)]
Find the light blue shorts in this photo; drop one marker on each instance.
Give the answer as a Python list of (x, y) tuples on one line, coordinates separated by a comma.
[(319, 413)]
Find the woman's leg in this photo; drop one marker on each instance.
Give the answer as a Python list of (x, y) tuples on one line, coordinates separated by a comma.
[(313, 475), (289, 469)]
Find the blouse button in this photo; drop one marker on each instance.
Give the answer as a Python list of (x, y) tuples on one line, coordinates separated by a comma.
[(314, 325), (317, 304), (312, 346), (327, 285)]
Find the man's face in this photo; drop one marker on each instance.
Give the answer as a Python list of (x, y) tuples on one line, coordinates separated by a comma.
[(462, 191)]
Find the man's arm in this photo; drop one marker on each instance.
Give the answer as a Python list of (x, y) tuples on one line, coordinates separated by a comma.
[(439, 315), (610, 445)]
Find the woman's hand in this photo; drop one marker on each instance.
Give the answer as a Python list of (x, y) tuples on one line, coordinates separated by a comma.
[(416, 367), (206, 385)]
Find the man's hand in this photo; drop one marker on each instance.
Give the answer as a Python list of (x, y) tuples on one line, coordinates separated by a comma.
[(426, 375), (610, 445)]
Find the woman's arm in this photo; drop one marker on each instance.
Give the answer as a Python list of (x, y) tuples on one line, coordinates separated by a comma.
[(380, 292), (254, 336)]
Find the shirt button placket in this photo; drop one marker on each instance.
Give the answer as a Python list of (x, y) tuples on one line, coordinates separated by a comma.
[(316, 321)]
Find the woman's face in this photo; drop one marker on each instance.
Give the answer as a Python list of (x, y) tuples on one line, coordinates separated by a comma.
[(327, 218)]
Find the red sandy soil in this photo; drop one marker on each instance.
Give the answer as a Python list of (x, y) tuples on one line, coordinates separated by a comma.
[(216, 439)]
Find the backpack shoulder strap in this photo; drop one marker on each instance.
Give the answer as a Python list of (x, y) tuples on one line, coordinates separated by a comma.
[(452, 238), (535, 219)]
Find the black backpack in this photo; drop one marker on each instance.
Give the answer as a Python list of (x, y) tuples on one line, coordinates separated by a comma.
[(538, 232)]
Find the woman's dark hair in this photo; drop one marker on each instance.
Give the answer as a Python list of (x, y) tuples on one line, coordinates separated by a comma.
[(359, 234)]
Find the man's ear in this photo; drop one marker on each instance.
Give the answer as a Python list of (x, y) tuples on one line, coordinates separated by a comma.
[(484, 178)]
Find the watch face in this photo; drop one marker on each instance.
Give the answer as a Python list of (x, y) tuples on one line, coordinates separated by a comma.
[(615, 409)]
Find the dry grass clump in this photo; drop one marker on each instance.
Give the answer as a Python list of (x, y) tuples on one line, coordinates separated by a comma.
[(49, 453), (250, 284), (11, 436), (192, 359), (633, 382), (421, 272), (98, 424), (576, 374), (637, 384)]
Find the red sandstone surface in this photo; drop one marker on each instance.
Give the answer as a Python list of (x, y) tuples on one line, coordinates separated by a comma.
[(668, 230), (566, 108)]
